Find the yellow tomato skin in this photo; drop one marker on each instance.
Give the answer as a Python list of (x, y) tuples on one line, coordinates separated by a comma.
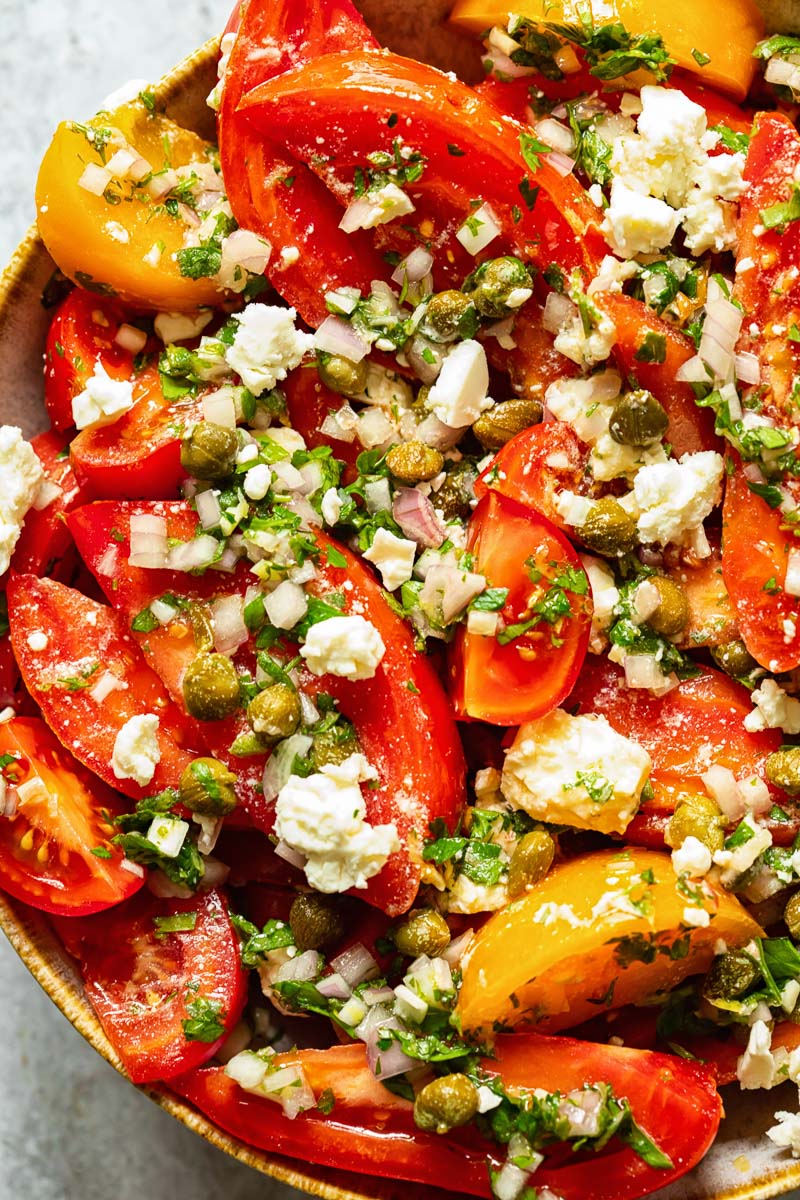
[(558, 955), (728, 36), (86, 235)]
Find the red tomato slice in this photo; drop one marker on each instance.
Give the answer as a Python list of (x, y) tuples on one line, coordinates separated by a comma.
[(84, 640), (82, 333), (139, 456), (55, 852), (698, 723), (509, 684), (370, 1130), (755, 553), (144, 984), (535, 466), (45, 546), (308, 403)]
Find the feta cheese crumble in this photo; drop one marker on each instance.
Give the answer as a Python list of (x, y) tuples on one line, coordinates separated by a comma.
[(103, 401), (22, 475), (786, 1133), (691, 858), (459, 395), (774, 709), (136, 752), (323, 818), (267, 346), (394, 558), (674, 498), (378, 207), (350, 647)]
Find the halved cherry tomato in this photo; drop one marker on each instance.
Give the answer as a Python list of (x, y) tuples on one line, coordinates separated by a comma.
[(45, 546), (506, 684), (55, 852), (755, 555), (144, 983), (690, 428), (84, 640), (609, 930), (729, 41), (535, 466), (699, 723), (371, 1130), (121, 242)]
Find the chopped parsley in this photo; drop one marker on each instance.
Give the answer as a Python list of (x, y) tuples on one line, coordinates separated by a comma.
[(204, 1021)]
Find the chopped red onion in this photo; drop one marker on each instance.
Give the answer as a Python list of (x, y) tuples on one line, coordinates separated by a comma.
[(501, 65), (355, 965), (163, 887), (451, 590), (336, 336), (413, 268), (216, 873), (344, 300), (148, 539), (8, 799), (558, 310), (106, 684), (131, 339), (208, 509), (562, 164), (381, 995), (502, 330), (644, 671), (384, 1064), (210, 829), (192, 556), (753, 472), (747, 368), (435, 433), (133, 868), (246, 249), (425, 359), (556, 135), (479, 230), (304, 967), (334, 987), (792, 582), (341, 425), (417, 518), (289, 854), (693, 371)]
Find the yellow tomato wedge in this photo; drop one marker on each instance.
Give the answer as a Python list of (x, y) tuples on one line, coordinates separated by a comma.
[(608, 929), (123, 241), (728, 37)]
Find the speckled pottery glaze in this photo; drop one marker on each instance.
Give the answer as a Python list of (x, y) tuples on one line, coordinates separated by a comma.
[(743, 1164)]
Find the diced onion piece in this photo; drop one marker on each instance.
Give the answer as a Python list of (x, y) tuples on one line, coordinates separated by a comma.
[(479, 230), (500, 64), (344, 300), (304, 966), (417, 518), (46, 493), (106, 684), (720, 783), (415, 267), (747, 367), (219, 408), (192, 556), (336, 336), (208, 509), (562, 164), (644, 671), (374, 429), (95, 179), (356, 965), (378, 496), (693, 371), (162, 184), (230, 631), (246, 249), (334, 987), (340, 425), (148, 541), (558, 310), (286, 605), (556, 135), (129, 338), (290, 855)]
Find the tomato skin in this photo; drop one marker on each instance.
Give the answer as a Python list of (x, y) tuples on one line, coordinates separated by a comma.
[(524, 469), (67, 823), (308, 403), (755, 550), (80, 634), (45, 546), (704, 718), (139, 984), (372, 1131), (495, 683)]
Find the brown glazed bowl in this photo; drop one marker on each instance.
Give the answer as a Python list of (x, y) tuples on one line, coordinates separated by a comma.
[(743, 1164)]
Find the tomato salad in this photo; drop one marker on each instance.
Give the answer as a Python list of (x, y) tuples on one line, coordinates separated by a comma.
[(399, 647)]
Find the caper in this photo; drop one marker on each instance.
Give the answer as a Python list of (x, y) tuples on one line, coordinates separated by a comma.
[(791, 916), (446, 1103), (499, 286), (211, 687), (334, 745), (734, 659), (696, 816), (342, 376), (454, 498), (731, 975), (423, 932), (414, 462), (503, 422), (638, 419), (673, 608), (274, 713), (199, 618), (783, 769), (315, 921), (450, 315), (207, 788), (609, 529), (531, 860), (209, 452)]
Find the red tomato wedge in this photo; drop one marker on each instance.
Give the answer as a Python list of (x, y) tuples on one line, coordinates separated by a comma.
[(372, 1131), (83, 641), (308, 403), (535, 466), (755, 554), (698, 723), (338, 109), (55, 852), (144, 982), (44, 546), (506, 684)]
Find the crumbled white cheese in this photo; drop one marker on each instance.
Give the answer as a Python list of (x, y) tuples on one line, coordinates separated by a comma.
[(674, 498), (174, 327), (756, 1068), (697, 918), (786, 1133), (637, 224), (734, 863), (585, 404), (572, 508), (136, 752), (459, 395), (691, 858), (605, 595), (774, 709), (267, 346), (37, 640), (257, 481), (468, 897), (347, 646), (609, 459), (22, 475), (323, 818), (575, 771), (587, 349), (331, 506), (103, 401), (394, 558)]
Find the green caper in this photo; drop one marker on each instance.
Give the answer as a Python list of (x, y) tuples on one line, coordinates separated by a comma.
[(199, 618), (342, 376), (209, 452), (609, 529), (414, 462), (334, 745), (791, 916), (783, 769), (731, 975), (673, 608), (423, 932), (211, 687), (503, 422), (446, 1103), (315, 921), (274, 713), (531, 860), (450, 315), (454, 498), (734, 659), (638, 419), (498, 286), (696, 816), (207, 788)]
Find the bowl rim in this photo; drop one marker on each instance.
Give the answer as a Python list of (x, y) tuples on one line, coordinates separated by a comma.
[(33, 939)]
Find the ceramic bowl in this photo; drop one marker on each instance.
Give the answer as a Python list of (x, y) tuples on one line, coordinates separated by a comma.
[(743, 1164)]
